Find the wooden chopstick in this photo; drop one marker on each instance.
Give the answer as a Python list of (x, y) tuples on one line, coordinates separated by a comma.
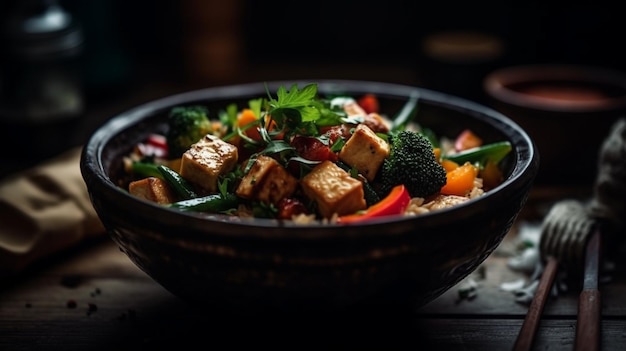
[(526, 336), (589, 304)]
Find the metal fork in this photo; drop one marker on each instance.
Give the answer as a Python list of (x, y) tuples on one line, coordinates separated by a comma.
[(565, 232)]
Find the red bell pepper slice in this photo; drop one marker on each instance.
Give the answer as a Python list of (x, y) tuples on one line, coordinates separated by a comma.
[(395, 203)]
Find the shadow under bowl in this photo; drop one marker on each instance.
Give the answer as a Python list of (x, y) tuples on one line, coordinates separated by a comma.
[(245, 266), (567, 110)]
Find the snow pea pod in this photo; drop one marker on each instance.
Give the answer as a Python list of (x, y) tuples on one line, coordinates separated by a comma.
[(210, 203), (493, 152), (146, 169)]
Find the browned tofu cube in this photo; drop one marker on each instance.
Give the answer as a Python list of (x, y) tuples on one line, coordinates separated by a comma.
[(365, 151), (267, 181), (206, 160), (334, 190), (152, 189)]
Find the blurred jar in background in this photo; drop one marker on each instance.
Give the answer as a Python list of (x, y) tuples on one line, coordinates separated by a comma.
[(455, 61), (41, 93), (212, 41)]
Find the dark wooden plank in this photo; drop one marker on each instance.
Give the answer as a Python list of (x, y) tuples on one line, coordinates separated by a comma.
[(166, 322), (499, 334)]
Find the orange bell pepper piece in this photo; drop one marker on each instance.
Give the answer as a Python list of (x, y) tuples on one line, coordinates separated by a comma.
[(448, 165), (491, 174), (460, 180)]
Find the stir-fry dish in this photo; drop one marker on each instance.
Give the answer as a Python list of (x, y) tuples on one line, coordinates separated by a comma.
[(303, 157)]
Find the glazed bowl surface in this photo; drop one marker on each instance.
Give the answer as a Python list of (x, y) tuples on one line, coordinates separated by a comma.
[(235, 265)]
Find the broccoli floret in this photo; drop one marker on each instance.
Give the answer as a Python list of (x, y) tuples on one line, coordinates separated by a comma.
[(411, 162), (187, 125)]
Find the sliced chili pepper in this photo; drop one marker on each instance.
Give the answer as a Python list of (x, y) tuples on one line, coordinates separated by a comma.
[(157, 140), (395, 203), (155, 145)]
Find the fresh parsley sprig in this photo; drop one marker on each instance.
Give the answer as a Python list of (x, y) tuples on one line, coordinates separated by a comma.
[(292, 111), (301, 111)]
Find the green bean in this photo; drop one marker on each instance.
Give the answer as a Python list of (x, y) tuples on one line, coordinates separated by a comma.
[(178, 183)]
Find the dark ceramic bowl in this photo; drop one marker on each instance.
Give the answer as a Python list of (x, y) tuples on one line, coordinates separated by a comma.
[(567, 110), (242, 266)]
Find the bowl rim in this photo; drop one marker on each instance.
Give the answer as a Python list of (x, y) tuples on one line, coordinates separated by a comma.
[(92, 166), (496, 85)]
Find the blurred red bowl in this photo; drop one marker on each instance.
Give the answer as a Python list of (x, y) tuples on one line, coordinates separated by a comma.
[(566, 109)]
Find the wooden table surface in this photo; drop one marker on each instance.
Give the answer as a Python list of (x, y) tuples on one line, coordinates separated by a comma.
[(92, 297)]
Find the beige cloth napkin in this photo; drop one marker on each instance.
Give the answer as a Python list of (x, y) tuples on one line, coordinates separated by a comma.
[(44, 210)]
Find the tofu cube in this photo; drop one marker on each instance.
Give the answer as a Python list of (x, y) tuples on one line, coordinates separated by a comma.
[(365, 151), (206, 160), (267, 181), (352, 108), (152, 189), (334, 190)]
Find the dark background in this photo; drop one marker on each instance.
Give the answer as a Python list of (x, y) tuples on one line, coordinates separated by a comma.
[(135, 51)]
